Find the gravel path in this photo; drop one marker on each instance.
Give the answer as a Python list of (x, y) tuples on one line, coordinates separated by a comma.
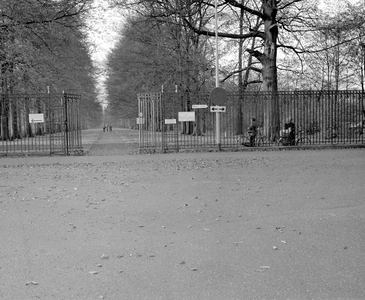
[(117, 142), (206, 226)]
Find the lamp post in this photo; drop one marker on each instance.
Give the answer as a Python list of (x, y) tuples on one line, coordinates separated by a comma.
[(363, 67), (217, 115), (216, 46)]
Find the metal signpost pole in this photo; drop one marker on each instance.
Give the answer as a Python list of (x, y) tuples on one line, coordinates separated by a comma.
[(217, 114), (216, 46)]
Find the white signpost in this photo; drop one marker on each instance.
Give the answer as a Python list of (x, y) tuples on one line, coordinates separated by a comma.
[(218, 95), (186, 116), (196, 106), (36, 118), (140, 121), (217, 109), (170, 121)]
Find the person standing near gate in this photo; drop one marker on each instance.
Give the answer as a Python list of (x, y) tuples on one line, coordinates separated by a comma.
[(252, 131), (290, 127)]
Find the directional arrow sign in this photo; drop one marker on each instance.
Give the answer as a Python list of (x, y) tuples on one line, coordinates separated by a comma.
[(194, 106), (217, 109), (36, 118)]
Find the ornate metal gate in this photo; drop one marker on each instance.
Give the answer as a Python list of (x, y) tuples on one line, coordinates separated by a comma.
[(66, 126), (40, 124), (149, 121)]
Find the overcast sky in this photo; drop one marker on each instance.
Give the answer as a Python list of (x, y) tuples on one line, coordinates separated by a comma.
[(104, 26)]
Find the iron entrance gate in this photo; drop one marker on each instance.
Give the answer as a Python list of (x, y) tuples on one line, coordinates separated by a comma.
[(40, 124), (149, 120), (66, 125), (174, 121)]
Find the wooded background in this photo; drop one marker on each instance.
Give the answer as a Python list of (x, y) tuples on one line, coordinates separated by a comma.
[(264, 45), (43, 47)]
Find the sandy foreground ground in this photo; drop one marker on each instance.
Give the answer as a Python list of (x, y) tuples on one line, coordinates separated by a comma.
[(243, 225)]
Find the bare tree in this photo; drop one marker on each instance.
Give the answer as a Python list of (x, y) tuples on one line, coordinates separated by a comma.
[(176, 52), (269, 26), (271, 14)]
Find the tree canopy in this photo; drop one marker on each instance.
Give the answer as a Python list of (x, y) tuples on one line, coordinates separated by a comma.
[(43, 44), (268, 45)]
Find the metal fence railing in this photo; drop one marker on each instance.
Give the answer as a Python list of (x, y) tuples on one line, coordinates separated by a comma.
[(177, 121), (40, 124)]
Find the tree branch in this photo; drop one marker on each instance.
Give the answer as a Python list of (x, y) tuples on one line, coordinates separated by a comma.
[(302, 51), (240, 71), (245, 8), (223, 34)]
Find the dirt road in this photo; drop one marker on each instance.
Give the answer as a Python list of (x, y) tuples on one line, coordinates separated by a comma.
[(255, 225)]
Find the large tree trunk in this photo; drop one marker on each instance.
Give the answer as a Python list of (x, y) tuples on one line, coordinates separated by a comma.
[(269, 70)]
